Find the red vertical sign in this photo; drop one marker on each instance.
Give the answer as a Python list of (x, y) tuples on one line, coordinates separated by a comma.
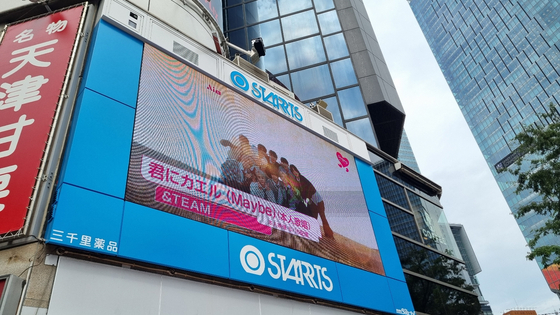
[(35, 56), (2, 285)]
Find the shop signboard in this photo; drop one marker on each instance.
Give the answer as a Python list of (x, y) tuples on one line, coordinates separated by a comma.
[(33, 68)]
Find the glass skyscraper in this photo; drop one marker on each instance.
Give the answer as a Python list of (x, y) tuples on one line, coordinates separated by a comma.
[(171, 271), (501, 60), (406, 155)]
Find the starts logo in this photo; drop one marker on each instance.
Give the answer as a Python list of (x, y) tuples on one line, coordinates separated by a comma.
[(266, 96), (302, 272)]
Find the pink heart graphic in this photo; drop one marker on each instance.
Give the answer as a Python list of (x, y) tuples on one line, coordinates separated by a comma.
[(343, 161)]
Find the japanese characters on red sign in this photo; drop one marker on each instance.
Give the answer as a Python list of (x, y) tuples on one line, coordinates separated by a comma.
[(35, 56)]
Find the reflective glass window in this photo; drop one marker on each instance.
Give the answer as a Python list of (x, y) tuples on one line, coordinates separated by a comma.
[(305, 52), (323, 5), (275, 59), (388, 169), (251, 13), (433, 226), (376, 160), (267, 9), (336, 46), (271, 32), (238, 38), (232, 2), (352, 103), (289, 6), (432, 298), (426, 262), (362, 128), (312, 83), (235, 17), (425, 295), (329, 22), (392, 191), (299, 25), (334, 109), (402, 222), (285, 79), (343, 73), (253, 32)]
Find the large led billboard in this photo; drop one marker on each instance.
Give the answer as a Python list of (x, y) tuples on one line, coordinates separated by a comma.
[(168, 166), (203, 151)]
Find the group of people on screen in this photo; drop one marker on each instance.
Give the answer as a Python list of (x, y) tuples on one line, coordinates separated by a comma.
[(258, 171)]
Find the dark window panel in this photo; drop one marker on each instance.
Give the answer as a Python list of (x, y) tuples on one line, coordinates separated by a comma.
[(235, 17), (402, 222), (238, 38), (432, 298), (392, 192), (251, 13), (232, 2)]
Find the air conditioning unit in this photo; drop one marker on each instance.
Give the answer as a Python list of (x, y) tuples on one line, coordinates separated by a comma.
[(325, 113), (321, 108)]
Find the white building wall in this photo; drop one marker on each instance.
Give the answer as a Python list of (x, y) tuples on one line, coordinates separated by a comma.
[(86, 288)]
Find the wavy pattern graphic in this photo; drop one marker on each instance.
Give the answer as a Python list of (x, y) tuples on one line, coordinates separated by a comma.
[(173, 95)]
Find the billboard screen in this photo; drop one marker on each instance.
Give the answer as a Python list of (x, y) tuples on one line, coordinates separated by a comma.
[(35, 57), (202, 151)]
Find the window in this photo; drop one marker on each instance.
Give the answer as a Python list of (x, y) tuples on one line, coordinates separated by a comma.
[(299, 25)]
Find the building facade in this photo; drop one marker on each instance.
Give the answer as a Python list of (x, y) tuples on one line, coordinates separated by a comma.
[(325, 50), (434, 269), (500, 59), (152, 190), (334, 42), (153, 193), (473, 267)]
